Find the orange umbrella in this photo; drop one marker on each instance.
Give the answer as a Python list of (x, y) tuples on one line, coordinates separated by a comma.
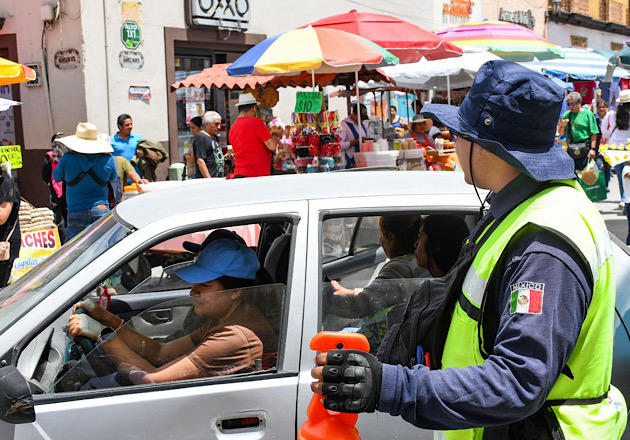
[(13, 73)]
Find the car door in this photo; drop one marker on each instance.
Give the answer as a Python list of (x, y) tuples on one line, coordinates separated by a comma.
[(258, 405), (376, 425)]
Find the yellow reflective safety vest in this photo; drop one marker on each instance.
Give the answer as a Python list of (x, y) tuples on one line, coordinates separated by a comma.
[(587, 406)]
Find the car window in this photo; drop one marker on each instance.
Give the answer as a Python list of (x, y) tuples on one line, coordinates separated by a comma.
[(338, 235), (145, 295), (370, 309), (367, 235), (47, 276), (243, 342), (153, 269)]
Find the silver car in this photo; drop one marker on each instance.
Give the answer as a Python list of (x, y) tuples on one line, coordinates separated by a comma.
[(306, 230)]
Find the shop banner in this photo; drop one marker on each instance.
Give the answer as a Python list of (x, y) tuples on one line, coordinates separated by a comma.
[(36, 247)]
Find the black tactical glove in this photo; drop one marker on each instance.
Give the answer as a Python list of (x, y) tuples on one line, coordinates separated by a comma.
[(352, 381)]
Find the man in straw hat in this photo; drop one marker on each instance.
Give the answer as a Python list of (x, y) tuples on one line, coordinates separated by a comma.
[(251, 140), (522, 344), (87, 170)]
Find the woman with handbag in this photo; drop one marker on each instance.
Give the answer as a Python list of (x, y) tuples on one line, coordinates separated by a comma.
[(9, 225), (616, 130), (581, 130)]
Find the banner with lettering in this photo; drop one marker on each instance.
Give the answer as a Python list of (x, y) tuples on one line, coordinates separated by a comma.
[(36, 246)]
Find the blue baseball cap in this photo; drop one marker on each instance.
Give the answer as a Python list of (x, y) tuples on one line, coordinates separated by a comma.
[(512, 112), (219, 258)]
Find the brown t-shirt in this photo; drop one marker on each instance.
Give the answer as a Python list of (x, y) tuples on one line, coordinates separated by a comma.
[(233, 344)]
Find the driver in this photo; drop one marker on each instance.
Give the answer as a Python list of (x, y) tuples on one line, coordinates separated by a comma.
[(231, 339)]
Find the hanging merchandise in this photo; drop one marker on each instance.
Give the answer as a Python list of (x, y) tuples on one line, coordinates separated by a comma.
[(267, 96), (316, 141)]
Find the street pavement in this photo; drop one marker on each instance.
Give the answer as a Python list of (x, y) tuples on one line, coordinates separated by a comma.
[(613, 216)]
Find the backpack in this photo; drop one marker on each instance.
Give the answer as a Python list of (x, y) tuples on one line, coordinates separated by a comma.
[(420, 337)]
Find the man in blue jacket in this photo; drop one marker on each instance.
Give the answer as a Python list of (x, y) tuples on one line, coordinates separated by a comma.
[(523, 345)]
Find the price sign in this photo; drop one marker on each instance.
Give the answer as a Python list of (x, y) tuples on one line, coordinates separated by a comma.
[(13, 154), (308, 102)]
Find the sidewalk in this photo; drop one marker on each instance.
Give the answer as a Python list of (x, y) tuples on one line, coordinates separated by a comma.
[(614, 217)]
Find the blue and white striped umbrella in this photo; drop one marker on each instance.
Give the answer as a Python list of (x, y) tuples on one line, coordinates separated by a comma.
[(577, 65)]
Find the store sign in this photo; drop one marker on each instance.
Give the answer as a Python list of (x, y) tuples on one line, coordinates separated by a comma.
[(67, 59), (139, 93), (524, 18), (308, 102), (458, 8), (12, 154), (130, 34), (223, 14), (131, 60)]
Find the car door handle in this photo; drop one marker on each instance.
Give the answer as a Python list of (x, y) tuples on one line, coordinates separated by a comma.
[(251, 421), (159, 316)]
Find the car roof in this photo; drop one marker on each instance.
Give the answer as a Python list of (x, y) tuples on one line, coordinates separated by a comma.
[(217, 193)]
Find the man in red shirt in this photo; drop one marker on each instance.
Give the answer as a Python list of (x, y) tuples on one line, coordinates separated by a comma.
[(251, 140)]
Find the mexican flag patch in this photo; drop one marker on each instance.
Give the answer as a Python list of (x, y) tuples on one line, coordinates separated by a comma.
[(527, 297)]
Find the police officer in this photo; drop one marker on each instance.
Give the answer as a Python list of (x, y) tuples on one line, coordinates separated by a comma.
[(523, 349)]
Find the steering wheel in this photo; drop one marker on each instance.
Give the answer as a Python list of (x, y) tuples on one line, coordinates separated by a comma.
[(101, 364)]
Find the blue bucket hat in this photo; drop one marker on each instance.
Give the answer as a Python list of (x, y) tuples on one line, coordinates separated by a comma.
[(219, 258), (512, 112)]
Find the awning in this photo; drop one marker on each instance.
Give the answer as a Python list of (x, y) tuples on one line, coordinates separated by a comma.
[(578, 65), (217, 77)]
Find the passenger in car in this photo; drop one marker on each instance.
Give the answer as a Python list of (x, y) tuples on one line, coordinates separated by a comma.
[(440, 240), (230, 341), (397, 236), (435, 250)]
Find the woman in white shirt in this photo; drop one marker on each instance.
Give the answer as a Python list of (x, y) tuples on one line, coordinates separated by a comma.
[(616, 130)]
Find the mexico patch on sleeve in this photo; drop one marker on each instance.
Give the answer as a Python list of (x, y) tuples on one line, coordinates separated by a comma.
[(527, 297)]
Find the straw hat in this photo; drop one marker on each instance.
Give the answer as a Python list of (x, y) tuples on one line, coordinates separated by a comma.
[(624, 97), (86, 140), (246, 99), (416, 120)]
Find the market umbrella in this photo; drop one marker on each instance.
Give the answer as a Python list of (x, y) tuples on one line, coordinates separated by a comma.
[(405, 40), (318, 50), (509, 41), (620, 58), (577, 65), (13, 73), (311, 49), (446, 74)]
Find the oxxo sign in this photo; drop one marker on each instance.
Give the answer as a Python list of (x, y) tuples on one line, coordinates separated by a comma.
[(130, 34), (308, 102), (224, 14)]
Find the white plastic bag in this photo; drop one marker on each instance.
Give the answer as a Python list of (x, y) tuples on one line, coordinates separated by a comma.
[(590, 173)]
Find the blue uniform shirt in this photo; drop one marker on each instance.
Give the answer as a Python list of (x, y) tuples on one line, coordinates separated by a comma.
[(87, 193), (125, 148), (530, 350)]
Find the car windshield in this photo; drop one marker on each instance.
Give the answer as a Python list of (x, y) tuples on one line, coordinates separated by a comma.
[(17, 298)]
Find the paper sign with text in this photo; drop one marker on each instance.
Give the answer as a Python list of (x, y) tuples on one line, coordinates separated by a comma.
[(36, 247), (308, 102), (13, 154)]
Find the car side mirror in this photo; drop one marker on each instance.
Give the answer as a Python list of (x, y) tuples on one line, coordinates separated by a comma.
[(16, 400)]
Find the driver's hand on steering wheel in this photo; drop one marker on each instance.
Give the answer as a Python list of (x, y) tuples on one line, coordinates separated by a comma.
[(92, 308), (83, 325)]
